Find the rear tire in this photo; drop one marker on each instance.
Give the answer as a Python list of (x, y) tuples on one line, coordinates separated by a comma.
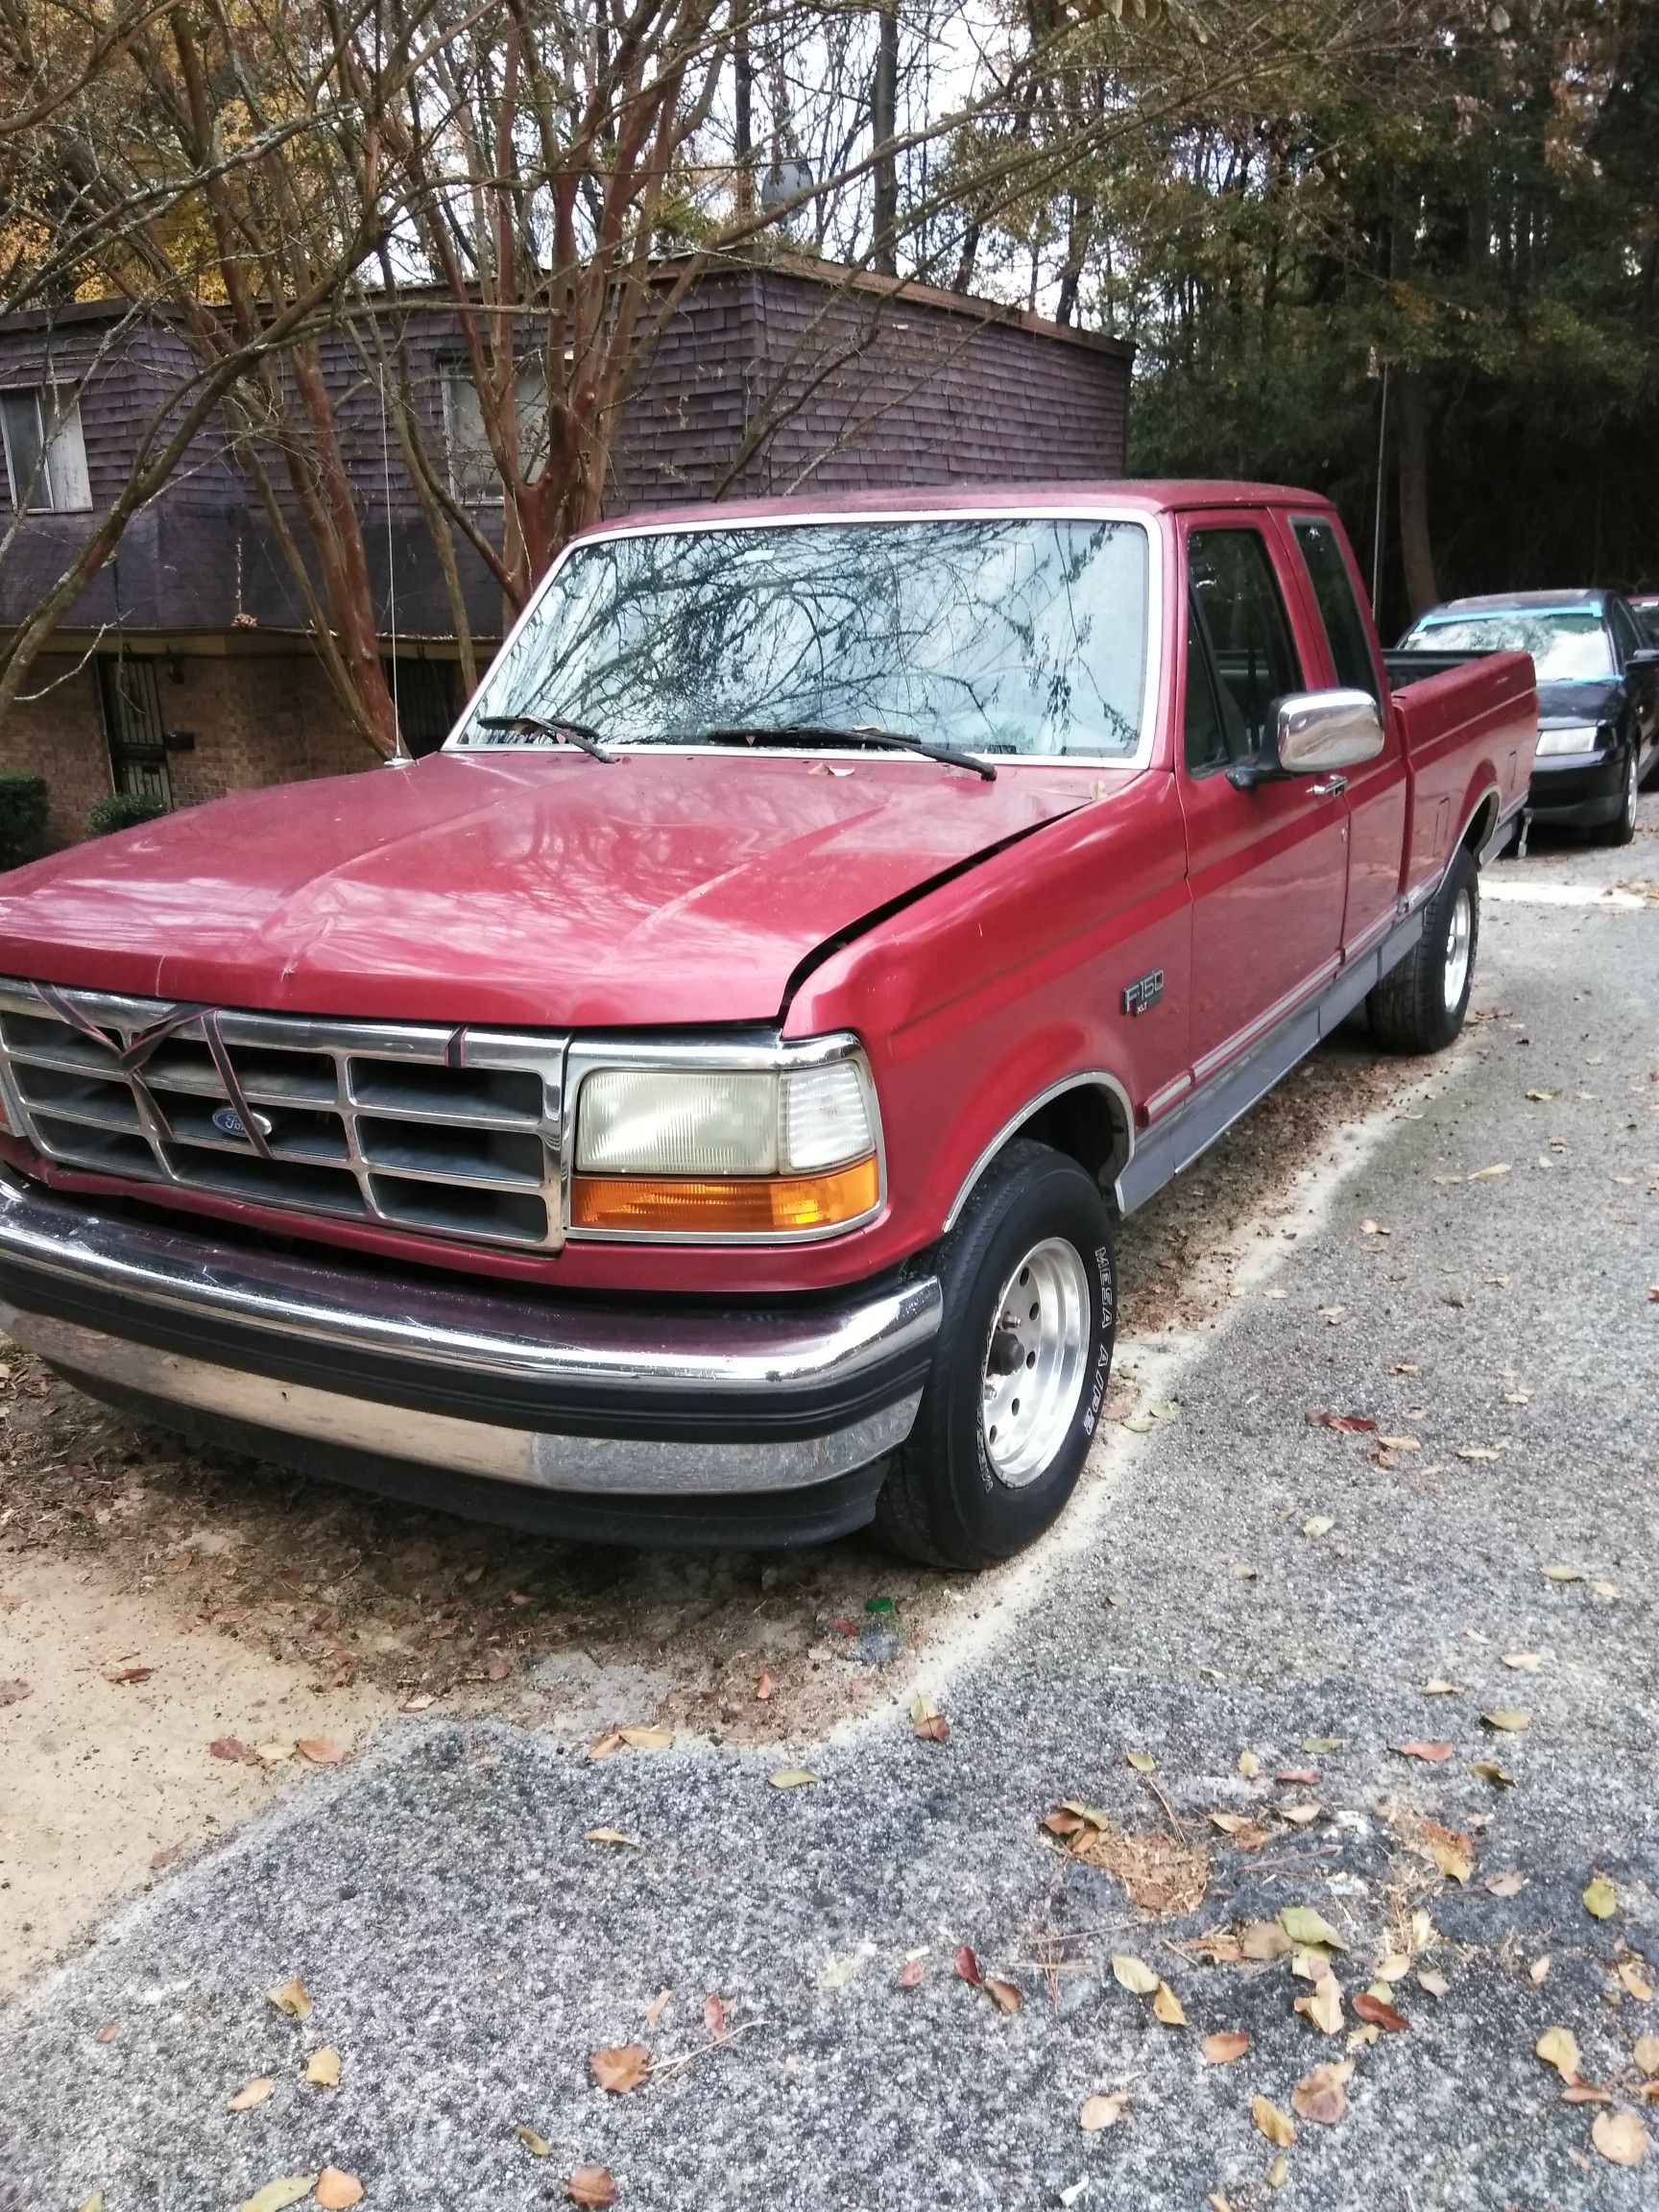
[(1419, 1006), (1020, 1367), (1621, 829)]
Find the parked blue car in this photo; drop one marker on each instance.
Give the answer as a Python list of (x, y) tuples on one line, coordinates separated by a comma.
[(1597, 695)]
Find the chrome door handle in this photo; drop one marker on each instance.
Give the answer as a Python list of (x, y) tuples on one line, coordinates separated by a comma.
[(1333, 788)]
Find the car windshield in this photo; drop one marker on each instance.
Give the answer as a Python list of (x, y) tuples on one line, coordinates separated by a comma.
[(1567, 643), (1022, 637)]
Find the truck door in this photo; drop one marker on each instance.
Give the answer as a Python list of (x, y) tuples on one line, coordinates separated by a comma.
[(1377, 790), (1268, 865)]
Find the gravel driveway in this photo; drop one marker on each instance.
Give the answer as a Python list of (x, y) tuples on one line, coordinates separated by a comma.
[(1262, 1596)]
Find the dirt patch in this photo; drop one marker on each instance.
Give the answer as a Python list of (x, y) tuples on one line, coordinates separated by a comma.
[(258, 1595), (1160, 1874)]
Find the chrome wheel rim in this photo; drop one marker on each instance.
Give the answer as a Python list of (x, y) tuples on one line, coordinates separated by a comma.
[(1035, 1361), (1459, 938), (1631, 781)]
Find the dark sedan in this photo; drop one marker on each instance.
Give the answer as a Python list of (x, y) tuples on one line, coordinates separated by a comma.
[(1597, 695)]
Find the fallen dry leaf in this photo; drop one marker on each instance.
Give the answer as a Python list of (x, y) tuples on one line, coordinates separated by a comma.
[(1301, 1816), (1323, 2005), (1377, 2012), (1538, 1973), (927, 1724), (967, 1965), (1524, 1662), (1435, 1983), (231, 1748), (1352, 1424), (121, 1674), (251, 2093), (337, 2191), (910, 1974), (1489, 1770), (1555, 1572), (1621, 2137), (1451, 1850), (1601, 1899), (1279, 2171), (292, 1997), (322, 2068), (658, 2006), (1646, 2053), (1132, 1973), (1247, 1833), (537, 2144), (1102, 2112), (14, 1692), (321, 1751), (1558, 2047), (620, 2067), (1004, 1995), (714, 2014), (1586, 2093), (1633, 1976), (592, 2186), (1485, 1174), (1223, 2047), (1249, 1766), (108, 2032), (607, 1835), (1262, 1940), (287, 2189), (1319, 1525), (1509, 1718), (1505, 1884), (792, 1778), (1142, 1762), (647, 1738), (765, 1685), (1278, 2126), (1322, 2096), (1305, 1775), (1400, 1443), (1436, 1754), (1167, 2006), (1304, 1925)]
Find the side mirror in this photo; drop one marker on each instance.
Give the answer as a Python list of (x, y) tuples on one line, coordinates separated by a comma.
[(1645, 657), (1315, 732)]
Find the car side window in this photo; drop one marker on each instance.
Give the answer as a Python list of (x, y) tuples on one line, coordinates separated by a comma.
[(1338, 608), (1243, 616), (1627, 638), (1203, 732)]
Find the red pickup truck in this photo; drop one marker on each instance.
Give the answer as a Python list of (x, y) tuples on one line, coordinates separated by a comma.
[(696, 1103)]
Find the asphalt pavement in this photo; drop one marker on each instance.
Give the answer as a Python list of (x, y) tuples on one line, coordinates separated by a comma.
[(1481, 1286)]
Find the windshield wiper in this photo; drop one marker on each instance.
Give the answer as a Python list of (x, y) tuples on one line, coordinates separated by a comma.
[(859, 734), (579, 733)]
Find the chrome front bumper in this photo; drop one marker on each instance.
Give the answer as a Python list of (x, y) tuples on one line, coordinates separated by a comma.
[(601, 1398)]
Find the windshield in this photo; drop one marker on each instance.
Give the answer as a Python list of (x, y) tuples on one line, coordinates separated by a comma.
[(988, 636), (1568, 645)]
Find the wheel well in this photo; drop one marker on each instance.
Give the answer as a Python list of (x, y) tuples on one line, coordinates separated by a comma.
[(1089, 1124), (1483, 823)]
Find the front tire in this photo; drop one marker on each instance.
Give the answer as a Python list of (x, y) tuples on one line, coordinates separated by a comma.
[(1621, 829), (1419, 1006), (1020, 1367)]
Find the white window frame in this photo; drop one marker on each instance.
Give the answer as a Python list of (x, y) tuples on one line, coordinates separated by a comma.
[(63, 478)]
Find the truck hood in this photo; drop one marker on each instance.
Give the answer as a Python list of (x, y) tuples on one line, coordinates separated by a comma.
[(534, 888)]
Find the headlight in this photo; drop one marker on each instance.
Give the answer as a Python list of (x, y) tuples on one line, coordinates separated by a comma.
[(1573, 738), (694, 1148)]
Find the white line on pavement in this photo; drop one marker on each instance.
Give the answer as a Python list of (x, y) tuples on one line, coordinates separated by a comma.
[(1561, 894)]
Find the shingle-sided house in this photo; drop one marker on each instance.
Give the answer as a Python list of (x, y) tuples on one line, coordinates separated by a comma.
[(187, 670)]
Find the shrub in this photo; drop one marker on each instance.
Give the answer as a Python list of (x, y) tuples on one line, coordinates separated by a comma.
[(122, 811), (23, 816)]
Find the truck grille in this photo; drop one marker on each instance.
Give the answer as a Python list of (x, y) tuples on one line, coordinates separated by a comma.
[(452, 1133)]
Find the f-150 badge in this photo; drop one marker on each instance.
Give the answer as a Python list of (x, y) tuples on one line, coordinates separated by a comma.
[(1144, 993)]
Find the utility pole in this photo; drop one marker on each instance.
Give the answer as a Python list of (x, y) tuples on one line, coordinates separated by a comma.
[(883, 130)]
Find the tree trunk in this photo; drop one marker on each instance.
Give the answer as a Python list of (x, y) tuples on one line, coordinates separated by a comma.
[(883, 127), (743, 107), (1416, 547)]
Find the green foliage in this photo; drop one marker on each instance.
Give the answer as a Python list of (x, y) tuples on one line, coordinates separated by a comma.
[(23, 802), (122, 810)]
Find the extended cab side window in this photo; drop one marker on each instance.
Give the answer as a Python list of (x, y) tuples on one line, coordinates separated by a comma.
[(1627, 638), (1338, 608), (1241, 615)]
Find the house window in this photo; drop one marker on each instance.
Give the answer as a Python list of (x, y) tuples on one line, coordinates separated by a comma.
[(474, 476), (428, 696), (45, 452)]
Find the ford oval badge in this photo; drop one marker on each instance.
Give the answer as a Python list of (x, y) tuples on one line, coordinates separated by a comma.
[(231, 1124)]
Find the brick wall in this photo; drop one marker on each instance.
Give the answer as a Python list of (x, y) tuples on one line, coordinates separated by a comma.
[(58, 733)]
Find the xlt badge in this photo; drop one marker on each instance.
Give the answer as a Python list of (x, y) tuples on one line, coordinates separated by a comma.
[(1144, 993)]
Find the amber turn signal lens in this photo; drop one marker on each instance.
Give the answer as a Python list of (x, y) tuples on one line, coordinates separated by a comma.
[(725, 1206)]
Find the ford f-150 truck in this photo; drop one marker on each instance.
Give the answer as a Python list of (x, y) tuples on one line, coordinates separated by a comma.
[(696, 1103)]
